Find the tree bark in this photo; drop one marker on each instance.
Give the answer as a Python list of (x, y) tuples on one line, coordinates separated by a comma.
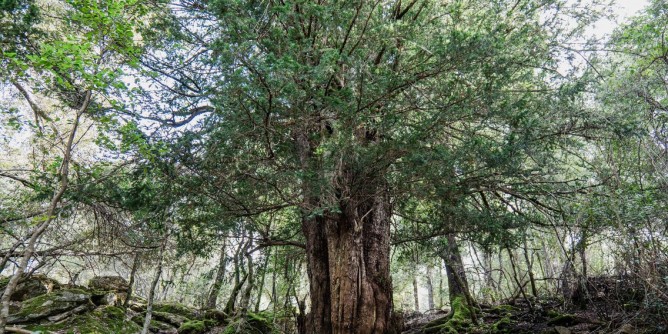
[(151, 293), (457, 282), (416, 298), (133, 273), (218, 281), (348, 268), (430, 289)]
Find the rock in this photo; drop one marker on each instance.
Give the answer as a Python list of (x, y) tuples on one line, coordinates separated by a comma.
[(175, 308), (104, 319), (30, 287), (172, 319), (156, 326), (562, 330), (101, 298), (50, 304), (193, 327), (563, 320), (109, 290), (108, 283)]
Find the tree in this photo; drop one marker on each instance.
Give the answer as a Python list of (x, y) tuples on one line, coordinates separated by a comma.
[(324, 106)]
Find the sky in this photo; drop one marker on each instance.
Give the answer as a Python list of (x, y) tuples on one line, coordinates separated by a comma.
[(624, 9)]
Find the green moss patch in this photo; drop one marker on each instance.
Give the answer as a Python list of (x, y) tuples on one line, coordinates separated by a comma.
[(103, 320), (49, 304), (457, 321), (175, 308)]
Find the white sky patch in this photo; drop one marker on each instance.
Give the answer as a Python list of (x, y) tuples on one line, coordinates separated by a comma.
[(623, 10)]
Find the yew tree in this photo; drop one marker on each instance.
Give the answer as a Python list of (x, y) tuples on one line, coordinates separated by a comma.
[(327, 108)]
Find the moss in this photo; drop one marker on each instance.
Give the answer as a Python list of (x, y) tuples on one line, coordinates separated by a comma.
[(193, 327), (103, 320), (502, 325), (49, 304), (175, 308), (252, 323), (502, 309), (455, 322)]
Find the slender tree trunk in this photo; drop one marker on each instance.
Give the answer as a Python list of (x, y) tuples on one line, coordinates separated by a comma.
[(430, 288), (151, 292), (416, 299), (441, 292), (265, 264), (529, 262), (245, 297), (218, 281), (131, 283), (39, 230)]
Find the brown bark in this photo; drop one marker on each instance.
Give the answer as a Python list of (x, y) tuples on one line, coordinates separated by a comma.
[(348, 267), (454, 269)]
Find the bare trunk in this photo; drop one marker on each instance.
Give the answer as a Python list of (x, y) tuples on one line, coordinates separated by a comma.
[(218, 281), (245, 297), (151, 293), (430, 289), (416, 298), (133, 272), (262, 279)]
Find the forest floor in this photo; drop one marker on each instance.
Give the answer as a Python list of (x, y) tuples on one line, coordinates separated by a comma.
[(519, 316)]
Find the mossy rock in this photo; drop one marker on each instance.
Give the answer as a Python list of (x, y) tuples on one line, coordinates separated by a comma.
[(30, 287), (503, 325), (108, 283), (102, 320), (170, 318), (217, 316), (502, 309), (195, 327), (156, 326), (253, 323), (175, 308), (50, 304)]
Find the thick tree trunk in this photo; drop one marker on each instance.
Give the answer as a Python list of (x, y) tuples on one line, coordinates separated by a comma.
[(349, 272)]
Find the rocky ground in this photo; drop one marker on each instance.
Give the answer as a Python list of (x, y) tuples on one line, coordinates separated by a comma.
[(41, 305)]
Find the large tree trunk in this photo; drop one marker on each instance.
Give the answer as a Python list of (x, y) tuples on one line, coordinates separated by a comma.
[(348, 247), (348, 267)]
